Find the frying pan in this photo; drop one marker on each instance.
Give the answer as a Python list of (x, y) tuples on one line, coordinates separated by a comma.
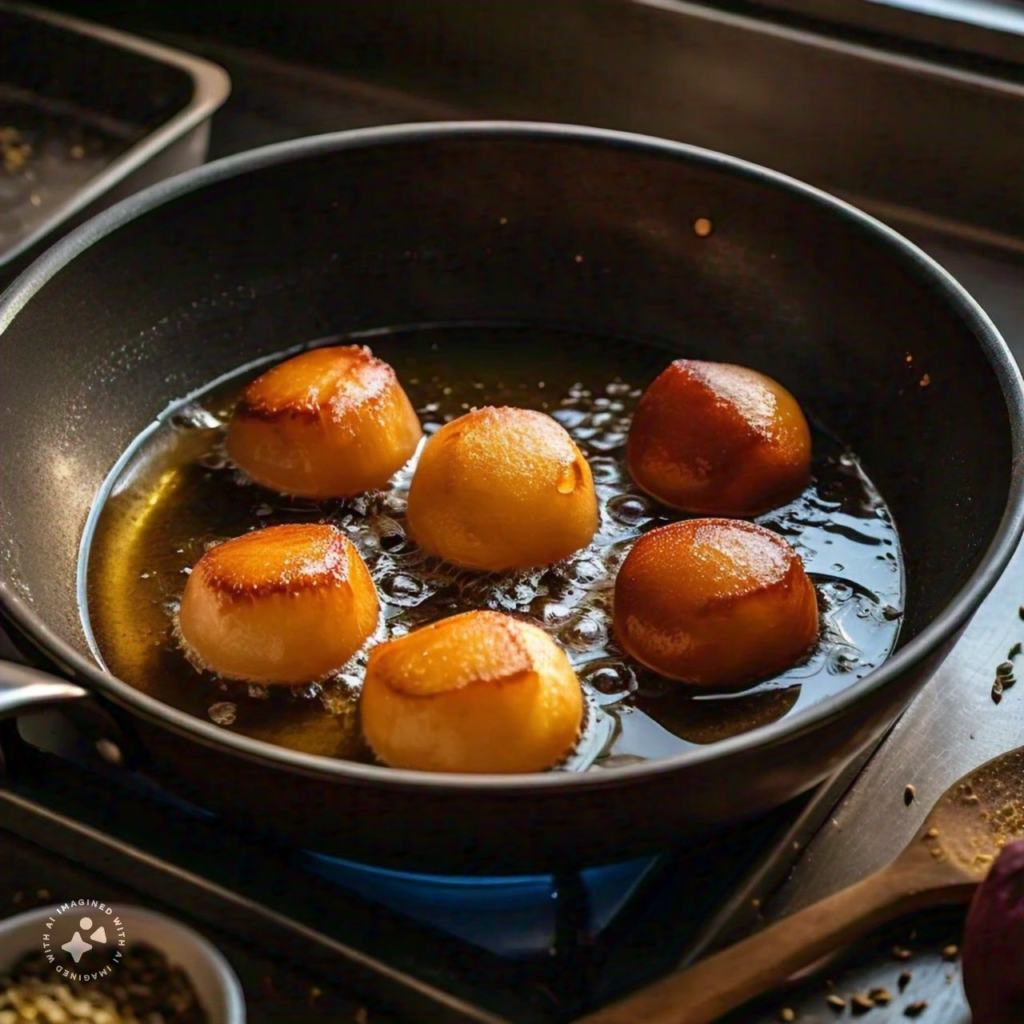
[(403, 225)]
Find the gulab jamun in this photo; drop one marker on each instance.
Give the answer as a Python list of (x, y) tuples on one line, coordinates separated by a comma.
[(287, 604), (721, 440), (477, 692), (329, 423), (715, 602), (502, 488)]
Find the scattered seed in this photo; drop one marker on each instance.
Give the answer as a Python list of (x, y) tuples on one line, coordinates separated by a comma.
[(787, 1015), (951, 952), (932, 833), (836, 1002), (880, 996), (901, 952), (909, 794), (925, 381), (861, 1004), (361, 1016), (904, 979), (702, 227), (915, 1009)]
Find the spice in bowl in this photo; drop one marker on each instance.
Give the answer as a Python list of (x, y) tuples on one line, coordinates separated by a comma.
[(146, 988)]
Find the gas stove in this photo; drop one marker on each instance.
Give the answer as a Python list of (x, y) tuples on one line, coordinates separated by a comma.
[(527, 949)]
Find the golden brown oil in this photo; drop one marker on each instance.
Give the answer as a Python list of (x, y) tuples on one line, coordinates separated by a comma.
[(178, 494)]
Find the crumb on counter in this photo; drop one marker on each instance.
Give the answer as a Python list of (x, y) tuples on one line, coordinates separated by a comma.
[(14, 149), (860, 1004)]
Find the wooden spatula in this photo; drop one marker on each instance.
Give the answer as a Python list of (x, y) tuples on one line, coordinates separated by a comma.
[(944, 863)]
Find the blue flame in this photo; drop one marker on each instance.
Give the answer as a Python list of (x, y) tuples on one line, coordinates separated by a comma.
[(511, 916)]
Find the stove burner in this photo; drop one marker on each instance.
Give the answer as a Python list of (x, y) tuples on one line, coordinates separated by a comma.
[(532, 949), (511, 916)]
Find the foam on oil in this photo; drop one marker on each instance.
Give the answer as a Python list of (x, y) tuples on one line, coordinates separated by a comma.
[(178, 494)]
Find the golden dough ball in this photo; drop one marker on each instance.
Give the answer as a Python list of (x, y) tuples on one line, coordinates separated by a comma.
[(502, 488), (287, 604), (717, 439), (715, 602), (478, 692), (329, 423)]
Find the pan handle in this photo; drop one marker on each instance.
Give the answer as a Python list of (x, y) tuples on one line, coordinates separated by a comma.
[(27, 689)]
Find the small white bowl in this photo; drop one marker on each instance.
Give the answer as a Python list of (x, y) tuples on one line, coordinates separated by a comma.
[(216, 984)]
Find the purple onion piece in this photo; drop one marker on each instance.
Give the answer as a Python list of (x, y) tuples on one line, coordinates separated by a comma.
[(993, 947)]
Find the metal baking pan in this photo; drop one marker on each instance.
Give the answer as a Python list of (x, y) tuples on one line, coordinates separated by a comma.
[(88, 115)]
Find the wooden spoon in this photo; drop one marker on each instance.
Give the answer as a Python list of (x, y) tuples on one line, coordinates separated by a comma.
[(944, 863)]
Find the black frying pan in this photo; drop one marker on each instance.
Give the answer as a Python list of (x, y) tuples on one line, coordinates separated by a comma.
[(401, 226)]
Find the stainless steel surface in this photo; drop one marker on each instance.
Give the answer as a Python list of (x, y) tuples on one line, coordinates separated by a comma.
[(890, 130), (965, 28), (877, 126), (25, 689), (174, 145)]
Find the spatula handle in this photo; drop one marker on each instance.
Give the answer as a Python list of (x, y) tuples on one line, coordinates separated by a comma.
[(730, 978)]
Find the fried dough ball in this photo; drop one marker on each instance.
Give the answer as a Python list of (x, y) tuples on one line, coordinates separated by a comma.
[(478, 692), (715, 602), (502, 488), (717, 439), (329, 423), (287, 604)]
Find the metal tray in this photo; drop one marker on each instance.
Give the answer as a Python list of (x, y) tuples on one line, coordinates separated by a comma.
[(74, 140)]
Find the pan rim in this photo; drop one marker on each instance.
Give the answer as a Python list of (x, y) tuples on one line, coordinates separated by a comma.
[(951, 618)]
